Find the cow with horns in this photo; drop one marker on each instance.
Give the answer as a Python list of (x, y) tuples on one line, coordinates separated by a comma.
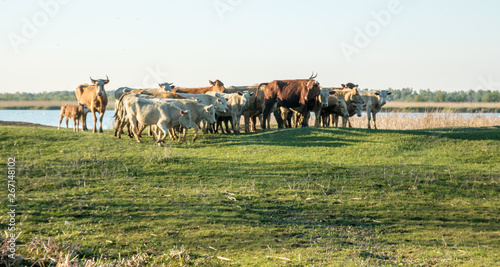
[(94, 96), (301, 94)]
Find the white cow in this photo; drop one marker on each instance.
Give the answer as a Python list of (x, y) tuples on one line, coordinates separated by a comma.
[(373, 104), (151, 112), (237, 104), (198, 112)]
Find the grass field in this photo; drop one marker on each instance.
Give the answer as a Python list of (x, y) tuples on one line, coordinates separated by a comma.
[(294, 197)]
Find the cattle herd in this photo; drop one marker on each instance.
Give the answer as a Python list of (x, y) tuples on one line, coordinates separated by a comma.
[(169, 110)]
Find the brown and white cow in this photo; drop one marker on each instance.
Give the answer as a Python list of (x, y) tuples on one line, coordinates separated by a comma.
[(290, 94), (321, 103), (74, 112), (94, 96), (217, 86), (374, 101)]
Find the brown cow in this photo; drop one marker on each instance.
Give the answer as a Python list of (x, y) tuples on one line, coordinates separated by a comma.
[(74, 112), (217, 86), (290, 94), (95, 98)]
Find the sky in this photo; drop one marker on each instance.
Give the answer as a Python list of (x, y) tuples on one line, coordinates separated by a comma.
[(55, 45)]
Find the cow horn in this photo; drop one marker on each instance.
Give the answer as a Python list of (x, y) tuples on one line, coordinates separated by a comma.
[(92, 79), (313, 76), (107, 79)]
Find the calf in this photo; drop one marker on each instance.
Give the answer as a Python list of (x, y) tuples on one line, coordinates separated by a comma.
[(237, 103), (198, 112), (335, 107), (74, 112), (373, 104)]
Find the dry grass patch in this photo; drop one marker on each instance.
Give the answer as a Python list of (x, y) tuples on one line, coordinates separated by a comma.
[(404, 121), (396, 104)]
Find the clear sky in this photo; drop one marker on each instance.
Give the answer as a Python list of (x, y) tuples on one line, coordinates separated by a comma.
[(52, 45)]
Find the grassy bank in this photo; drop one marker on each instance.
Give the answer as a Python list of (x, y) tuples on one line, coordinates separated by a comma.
[(297, 197)]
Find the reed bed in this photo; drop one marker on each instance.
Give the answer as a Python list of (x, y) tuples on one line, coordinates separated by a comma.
[(397, 104), (408, 121)]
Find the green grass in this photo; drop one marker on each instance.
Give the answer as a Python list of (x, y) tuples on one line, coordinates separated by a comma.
[(297, 197)]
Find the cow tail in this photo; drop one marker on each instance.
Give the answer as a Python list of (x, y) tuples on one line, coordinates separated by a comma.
[(257, 95), (119, 107)]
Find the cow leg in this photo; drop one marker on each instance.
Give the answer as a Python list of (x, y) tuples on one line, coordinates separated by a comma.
[(277, 116), (344, 121), (118, 127), (235, 124), (76, 121), (254, 122), (246, 117), (195, 128), (101, 117), (305, 115), (133, 126), (60, 120), (226, 123), (369, 116), (83, 118), (139, 132), (94, 130), (374, 120), (268, 107), (161, 128)]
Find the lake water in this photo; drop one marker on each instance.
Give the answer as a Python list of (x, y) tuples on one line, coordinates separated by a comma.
[(51, 117)]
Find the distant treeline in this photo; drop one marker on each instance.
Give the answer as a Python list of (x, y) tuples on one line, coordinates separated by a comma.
[(404, 95), (410, 95), (47, 96)]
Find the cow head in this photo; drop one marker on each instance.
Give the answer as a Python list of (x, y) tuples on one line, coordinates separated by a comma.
[(221, 104), (312, 88), (245, 98), (166, 87), (343, 108), (349, 86), (100, 85), (209, 114), (323, 97), (382, 96), (83, 109), (218, 86)]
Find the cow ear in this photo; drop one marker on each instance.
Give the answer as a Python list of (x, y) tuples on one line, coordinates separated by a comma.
[(388, 93), (377, 93), (332, 92), (240, 93), (343, 85), (212, 83)]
